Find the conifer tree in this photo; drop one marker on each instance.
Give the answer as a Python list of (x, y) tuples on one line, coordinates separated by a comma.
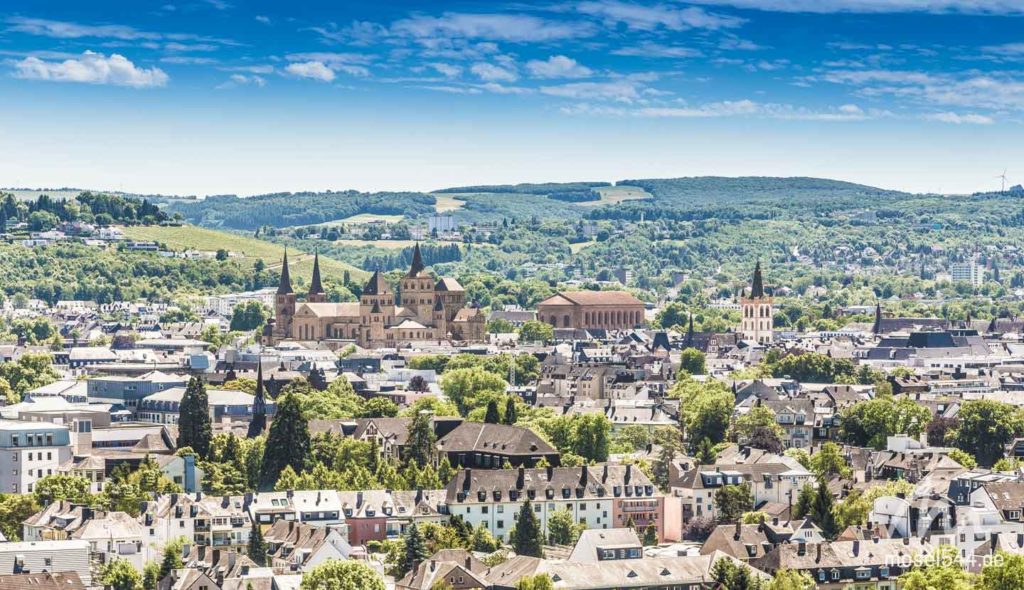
[(650, 535), (420, 448), (492, 416), (288, 442), (194, 428), (528, 539), (415, 548), (445, 471), (822, 510), (511, 415), (257, 545)]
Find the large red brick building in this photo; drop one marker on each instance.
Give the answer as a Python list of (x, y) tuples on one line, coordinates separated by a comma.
[(609, 310)]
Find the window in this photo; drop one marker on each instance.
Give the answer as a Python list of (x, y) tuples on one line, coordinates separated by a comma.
[(47, 561), (863, 574), (501, 524)]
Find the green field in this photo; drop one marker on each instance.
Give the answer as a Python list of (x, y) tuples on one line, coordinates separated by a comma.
[(580, 246), (197, 238), (32, 195), (446, 203), (613, 195)]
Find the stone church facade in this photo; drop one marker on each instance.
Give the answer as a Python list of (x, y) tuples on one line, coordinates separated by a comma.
[(426, 310)]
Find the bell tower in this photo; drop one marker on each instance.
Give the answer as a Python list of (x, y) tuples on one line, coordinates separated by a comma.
[(284, 304), (316, 289), (758, 312)]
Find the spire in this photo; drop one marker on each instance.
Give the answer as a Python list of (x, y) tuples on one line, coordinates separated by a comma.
[(689, 332), (877, 328), (285, 287), (417, 262), (757, 285), (259, 406), (315, 288)]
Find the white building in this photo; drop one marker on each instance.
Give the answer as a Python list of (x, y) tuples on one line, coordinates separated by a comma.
[(29, 451), (224, 305), (47, 556), (967, 272)]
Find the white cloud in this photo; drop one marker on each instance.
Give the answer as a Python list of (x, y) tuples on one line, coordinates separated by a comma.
[(965, 90), (993, 7), (557, 66), (91, 68), (446, 70), (496, 27), (70, 30), (733, 108), (236, 80), (620, 90), (493, 73), (502, 89), (315, 70), (648, 18), (958, 119), (262, 19), (649, 49)]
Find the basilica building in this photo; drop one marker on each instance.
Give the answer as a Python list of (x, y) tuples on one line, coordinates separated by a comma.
[(425, 310)]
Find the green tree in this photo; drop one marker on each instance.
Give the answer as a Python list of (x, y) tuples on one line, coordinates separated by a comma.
[(985, 428), (14, 509), (27, 373), (463, 386), (121, 575), (692, 361), (288, 442), (650, 535), (339, 400), (248, 315), (1004, 573), (194, 428), (592, 437), (733, 501), (786, 579), (61, 486), (871, 422), (492, 416), (415, 548), (535, 582), (342, 574), (171, 558), (511, 413), (758, 428), (420, 447), (563, 528), (734, 576), (705, 410), (534, 331), (829, 461), (964, 458), (942, 570), (379, 407), (527, 538), (257, 548)]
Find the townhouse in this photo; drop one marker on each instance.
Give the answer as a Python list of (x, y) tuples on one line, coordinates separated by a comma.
[(599, 497)]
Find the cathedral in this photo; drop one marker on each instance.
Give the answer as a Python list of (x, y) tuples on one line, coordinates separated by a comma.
[(424, 309)]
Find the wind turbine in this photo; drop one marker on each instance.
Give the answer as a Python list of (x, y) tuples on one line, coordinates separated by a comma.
[(1003, 177)]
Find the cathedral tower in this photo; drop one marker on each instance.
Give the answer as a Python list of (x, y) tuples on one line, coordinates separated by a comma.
[(418, 289)]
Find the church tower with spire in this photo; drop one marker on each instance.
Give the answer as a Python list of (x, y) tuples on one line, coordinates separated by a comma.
[(284, 304), (758, 311), (316, 288)]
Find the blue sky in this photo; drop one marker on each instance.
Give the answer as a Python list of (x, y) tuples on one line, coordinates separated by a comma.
[(250, 96)]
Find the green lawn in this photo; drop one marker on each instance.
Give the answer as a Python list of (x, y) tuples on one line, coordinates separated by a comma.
[(199, 238)]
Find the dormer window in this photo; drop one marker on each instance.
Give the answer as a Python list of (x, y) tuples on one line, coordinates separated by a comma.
[(565, 492)]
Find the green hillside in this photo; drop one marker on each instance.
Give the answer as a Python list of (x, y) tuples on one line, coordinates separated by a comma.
[(247, 248)]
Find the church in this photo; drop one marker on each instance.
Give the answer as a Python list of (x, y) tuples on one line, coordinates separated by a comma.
[(424, 309), (758, 311)]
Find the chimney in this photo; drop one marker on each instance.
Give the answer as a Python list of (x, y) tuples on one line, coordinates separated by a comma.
[(469, 560), (801, 547), (629, 474), (419, 495), (817, 551), (584, 473), (739, 529), (551, 472), (604, 473), (468, 482), (856, 548), (521, 478), (359, 499), (433, 565)]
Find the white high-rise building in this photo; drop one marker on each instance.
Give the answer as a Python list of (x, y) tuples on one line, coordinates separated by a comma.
[(29, 451)]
